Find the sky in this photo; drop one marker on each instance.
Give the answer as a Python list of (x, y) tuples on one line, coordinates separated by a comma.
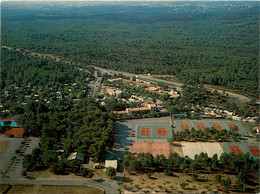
[(126, 0)]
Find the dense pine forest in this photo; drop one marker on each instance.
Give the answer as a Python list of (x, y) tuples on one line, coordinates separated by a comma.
[(199, 42)]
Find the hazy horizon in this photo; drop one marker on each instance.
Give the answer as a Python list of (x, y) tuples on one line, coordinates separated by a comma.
[(120, 0)]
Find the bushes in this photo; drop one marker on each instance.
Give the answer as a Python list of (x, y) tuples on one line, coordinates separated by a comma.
[(86, 173), (111, 172)]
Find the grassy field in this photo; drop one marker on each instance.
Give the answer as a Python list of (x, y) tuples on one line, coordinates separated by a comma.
[(98, 173), (50, 189)]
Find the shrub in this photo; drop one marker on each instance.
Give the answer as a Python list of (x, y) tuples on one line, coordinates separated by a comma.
[(90, 174), (183, 185), (24, 173)]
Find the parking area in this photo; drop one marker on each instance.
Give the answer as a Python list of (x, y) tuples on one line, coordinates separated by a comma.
[(7, 154), (15, 167)]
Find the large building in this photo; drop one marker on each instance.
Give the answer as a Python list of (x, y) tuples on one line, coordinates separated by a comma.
[(148, 108)]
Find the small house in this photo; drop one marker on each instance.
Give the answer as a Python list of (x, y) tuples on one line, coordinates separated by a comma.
[(76, 156), (15, 132), (98, 165), (111, 163)]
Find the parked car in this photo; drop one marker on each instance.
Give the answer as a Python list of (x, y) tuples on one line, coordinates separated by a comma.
[(99, 179)]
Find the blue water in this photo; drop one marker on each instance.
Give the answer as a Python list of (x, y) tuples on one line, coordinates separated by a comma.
[(13, 123)]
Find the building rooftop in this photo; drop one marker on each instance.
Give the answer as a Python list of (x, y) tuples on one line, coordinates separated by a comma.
[(152, 88), (115, 79), (137, 109), (111, 163), (76, 156), (15, 131)]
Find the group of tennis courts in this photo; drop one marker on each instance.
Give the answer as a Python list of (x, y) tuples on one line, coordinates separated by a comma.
[(202, 125), (154, 132), (242, 148)]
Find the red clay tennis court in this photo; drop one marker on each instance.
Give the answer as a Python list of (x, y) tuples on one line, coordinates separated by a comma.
[(231, 126), (145, 131), (184, 126), (217, 126), (255, 150), (162, 132), (200, 126), (235, 149), (154, 148)]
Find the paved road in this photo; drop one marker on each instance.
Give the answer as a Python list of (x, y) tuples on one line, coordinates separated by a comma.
[(155, 80), (151, 79), (110, 186), (144, 77), (96, 86)]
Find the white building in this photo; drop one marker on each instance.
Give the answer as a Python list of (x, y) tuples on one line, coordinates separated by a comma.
[(111, 163)]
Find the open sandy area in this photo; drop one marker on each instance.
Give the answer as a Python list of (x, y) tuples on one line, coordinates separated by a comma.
[(191, 149)]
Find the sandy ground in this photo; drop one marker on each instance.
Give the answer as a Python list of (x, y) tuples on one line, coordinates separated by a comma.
[(176, 148), (190, 149), (53, 189), (140, 182), (3, 188)]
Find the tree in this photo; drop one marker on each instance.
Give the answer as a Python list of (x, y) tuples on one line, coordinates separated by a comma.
[(218, 177), (111, 172), (49, 157), (195, 176), (24, 173)]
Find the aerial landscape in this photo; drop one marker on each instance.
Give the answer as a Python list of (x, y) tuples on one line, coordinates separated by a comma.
[(129, 97)]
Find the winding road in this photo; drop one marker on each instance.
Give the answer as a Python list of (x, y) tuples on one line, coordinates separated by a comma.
[(111, 72)]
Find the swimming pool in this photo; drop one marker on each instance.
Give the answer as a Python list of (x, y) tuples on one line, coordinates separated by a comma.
[(13, 123)]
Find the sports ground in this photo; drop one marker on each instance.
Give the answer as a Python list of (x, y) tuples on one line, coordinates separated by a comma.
[(242, 148), (155, 148), (154, 131), (192, 148), (202, 125), (151, 135)]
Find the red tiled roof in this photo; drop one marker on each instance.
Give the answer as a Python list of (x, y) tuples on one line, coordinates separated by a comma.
[(15, 131)]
